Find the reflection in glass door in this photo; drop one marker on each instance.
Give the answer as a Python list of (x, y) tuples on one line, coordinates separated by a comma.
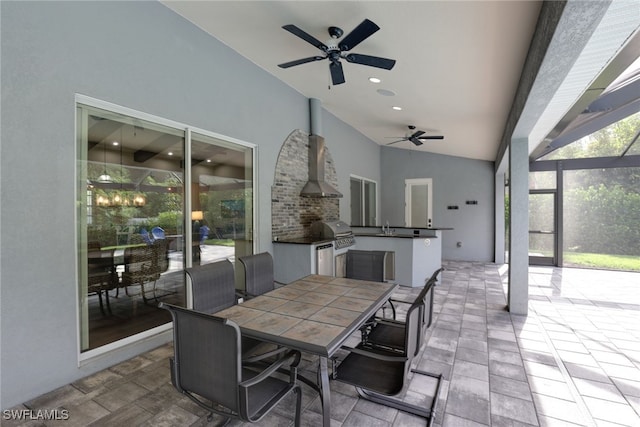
[(130, 225), (542, 227), (221, 199), (134, 239)]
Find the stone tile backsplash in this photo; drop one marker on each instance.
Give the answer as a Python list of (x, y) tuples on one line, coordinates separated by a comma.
[(291, 215)]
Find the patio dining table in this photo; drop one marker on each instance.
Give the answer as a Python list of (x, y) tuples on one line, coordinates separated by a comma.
[(315, 314)]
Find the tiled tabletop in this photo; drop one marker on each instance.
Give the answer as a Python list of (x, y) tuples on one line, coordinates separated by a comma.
[(314, 314)]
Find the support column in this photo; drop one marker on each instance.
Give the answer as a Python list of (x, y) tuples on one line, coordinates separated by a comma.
[(518, 295), (499, 237)]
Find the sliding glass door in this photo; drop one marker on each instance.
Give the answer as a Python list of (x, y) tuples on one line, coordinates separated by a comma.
[(143, 218)]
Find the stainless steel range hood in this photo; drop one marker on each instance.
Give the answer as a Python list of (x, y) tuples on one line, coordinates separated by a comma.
[(316, 186)]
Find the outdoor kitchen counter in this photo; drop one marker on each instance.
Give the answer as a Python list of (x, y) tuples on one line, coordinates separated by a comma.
[(416, 256), (399, 236)]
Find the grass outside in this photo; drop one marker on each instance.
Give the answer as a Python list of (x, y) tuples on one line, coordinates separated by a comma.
[(602, 261)]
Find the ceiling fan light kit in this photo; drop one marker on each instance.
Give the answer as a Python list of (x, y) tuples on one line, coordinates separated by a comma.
[(335, 49)]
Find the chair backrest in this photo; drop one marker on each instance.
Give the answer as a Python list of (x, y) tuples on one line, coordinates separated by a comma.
[(412, 332), (146, 237), (161, 251), (213, 286), (258, 273), (140, 260), (204, 233), (157, 232), (365, 265), (207, 353), (429, 284), (421, 301)]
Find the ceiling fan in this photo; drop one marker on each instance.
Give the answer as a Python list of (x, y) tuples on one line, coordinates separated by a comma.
[(336, 49), (416, 137)]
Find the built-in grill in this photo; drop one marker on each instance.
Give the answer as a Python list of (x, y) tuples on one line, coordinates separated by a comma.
[(338, 231)]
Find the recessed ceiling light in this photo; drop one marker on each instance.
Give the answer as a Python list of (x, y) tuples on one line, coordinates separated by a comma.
[(397, 108), (116, 143), (374, 80), (208, 160), (170, 153), (386, 92)]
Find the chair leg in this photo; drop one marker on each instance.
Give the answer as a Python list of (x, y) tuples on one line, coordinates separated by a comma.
[(100, 300), (396, 403), (106, 297), (144, 296), (298, 392)]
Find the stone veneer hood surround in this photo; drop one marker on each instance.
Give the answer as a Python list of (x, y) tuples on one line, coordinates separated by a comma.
[(291, 214)]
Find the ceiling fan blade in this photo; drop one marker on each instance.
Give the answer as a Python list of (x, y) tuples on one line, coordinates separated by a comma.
[(432, 137), (301, 61), (305, 36), (394, 142), (416, 141), (361, 32), (337, 75), (417, 133), (372, 61)]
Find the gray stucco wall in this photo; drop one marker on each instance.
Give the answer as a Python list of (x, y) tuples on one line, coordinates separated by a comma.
[(139, 55), (455, 180)]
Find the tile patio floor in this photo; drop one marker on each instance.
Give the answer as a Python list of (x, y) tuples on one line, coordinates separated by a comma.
[(573, 361)]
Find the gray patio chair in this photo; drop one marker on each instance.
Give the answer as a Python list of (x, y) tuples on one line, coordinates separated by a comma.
[(389, 333), (258, 274), (368, 265), (381, 375), (213, 289), (213, 286), (207, 368)]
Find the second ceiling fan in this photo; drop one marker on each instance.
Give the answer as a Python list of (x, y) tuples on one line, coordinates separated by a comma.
[(416, 136), (336, 49)]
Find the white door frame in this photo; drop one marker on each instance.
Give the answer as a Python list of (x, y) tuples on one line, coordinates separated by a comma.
[(408, 183)]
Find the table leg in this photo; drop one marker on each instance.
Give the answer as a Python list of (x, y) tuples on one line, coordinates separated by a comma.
[(325, 392)]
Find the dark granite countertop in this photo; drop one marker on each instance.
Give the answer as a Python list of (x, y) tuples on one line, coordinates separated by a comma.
[(303, 241), (354, 227), (399, 236)]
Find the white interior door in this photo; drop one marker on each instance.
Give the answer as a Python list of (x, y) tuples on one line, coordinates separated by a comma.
[(418, 202)]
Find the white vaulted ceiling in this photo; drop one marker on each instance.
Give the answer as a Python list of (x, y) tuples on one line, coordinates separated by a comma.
[(458, 63)]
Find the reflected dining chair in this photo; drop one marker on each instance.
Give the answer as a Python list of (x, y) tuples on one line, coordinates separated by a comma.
[(208, 369), (145, 264), (101, 274)]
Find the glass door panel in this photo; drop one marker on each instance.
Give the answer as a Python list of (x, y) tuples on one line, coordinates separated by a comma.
[(130, 228), (418, 199), (542, 227), (221, 199)]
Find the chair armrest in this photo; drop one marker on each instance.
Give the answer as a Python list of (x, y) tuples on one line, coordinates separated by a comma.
[(373, 355), (390, 322), (259, 357), (401, 301), (274, 367)]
